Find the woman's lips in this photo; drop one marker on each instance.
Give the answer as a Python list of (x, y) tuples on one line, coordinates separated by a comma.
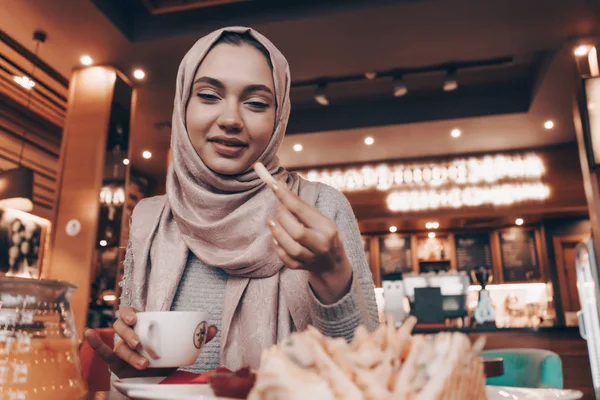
[(228, 150)]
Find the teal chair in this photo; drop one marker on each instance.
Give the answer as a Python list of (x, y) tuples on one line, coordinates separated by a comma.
[(530, 368)]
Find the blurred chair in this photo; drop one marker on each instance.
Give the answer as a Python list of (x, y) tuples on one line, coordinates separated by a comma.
[(95, 370), (530, 368)]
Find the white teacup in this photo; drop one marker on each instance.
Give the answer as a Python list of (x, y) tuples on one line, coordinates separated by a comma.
[(176, 337)]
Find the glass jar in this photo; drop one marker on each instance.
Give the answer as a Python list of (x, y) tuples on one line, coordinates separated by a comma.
[(39, 356)]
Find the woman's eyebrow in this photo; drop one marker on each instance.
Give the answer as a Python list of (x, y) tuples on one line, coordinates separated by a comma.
[(211, 81), (258, 88)]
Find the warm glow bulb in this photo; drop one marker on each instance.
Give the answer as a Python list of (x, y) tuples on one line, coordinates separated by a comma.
[(519, 221), (369, 140), (549, 124), (86, 60), (298, 147), (431, 235), (393, 229), (109, 297), (103, 243), (435, 225), (455, 133), (126, 161), (24, 81), (139, 74), (146, 154), (582, 50)]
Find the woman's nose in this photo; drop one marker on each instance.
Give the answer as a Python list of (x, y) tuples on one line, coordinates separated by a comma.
[(230, 119)]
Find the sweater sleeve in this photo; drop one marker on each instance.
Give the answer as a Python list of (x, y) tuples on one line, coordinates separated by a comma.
[(124, 300), (125, 284), (358, 306)]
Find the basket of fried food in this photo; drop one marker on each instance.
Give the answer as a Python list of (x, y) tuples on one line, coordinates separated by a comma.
[(388, 363)]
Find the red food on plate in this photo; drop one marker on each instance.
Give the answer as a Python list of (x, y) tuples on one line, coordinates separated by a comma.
[(236, 385), (187, 378)]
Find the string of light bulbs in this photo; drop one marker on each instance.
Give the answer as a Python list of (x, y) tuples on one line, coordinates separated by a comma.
[(473, 170)]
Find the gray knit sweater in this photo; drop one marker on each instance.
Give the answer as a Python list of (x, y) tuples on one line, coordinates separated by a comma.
[(203, 287)]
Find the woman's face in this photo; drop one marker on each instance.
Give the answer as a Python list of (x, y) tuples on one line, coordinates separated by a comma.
[(230, 116)]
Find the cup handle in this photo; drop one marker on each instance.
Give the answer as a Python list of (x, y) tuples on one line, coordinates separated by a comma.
[(149, 337)]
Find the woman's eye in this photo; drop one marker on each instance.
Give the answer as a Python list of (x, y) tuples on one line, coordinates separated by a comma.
[(258, 104), (208, 96)]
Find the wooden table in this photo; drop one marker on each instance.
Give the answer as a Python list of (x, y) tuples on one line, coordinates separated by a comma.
[(493, 367)]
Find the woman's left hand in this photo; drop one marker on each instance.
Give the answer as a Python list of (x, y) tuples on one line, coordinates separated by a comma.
[(306, 239)]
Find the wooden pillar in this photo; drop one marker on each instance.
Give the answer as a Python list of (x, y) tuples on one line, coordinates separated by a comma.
[(582, 129), (82, 160)]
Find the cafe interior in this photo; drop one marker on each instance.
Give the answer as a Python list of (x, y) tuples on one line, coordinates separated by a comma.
[(462, 133)]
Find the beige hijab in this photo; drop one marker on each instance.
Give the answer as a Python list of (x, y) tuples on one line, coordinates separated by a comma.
[(222, 220)]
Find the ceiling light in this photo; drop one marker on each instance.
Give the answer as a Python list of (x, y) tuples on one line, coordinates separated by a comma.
[(139, 74), (519, 221), (450, 82), (549, 124), (435, 225), (428, 225), (455, 133), (431, 235), (298, 147), (370, 75), (400, 88), (582, 50), (126, 161), (103, 243), (369, 140), (24, 81), (146, 154), (321, 96), (393, 229), (86, 60)]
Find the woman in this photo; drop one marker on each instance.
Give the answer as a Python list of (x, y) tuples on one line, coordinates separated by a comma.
[(263, 261)]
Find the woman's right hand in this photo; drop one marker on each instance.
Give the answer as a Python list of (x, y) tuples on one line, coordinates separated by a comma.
[(124, 360)]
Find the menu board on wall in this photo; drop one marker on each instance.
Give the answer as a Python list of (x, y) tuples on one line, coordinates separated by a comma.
[(473, 251), (519, 256), (395, 256)]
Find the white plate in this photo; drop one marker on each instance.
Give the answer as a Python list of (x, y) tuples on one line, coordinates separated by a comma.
[(171, 395), (149, 389), (511, 393)]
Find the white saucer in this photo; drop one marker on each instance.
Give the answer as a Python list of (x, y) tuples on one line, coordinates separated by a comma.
[(511, 393), (149, 389)]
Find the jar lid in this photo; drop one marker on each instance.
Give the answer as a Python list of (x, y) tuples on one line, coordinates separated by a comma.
[(41, 282)]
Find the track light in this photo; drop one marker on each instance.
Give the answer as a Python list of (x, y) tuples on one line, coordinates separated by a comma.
[(582, 50), (450, 83), (400, 88), (321, 96)]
